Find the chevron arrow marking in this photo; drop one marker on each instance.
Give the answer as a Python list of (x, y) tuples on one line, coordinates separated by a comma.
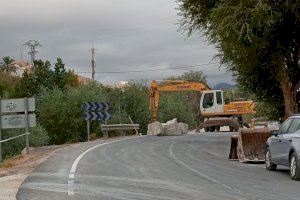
[(104, 116), (96, 106)]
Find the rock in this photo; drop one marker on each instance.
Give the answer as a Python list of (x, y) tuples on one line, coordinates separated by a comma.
[(23, 152), (155, 129), (184, 128), (171, 128)]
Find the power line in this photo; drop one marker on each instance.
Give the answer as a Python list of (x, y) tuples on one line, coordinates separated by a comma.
[(150, 70)]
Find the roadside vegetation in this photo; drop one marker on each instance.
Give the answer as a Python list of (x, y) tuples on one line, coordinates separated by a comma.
[(59, 98), (258, 41)]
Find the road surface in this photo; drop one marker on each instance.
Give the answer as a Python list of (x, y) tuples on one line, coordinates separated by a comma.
[(193, 166)]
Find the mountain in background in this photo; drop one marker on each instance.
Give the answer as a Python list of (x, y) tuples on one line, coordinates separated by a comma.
[(224, 86)]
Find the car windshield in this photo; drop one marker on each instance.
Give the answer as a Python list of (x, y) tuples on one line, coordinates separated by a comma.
[(284, 127), (295, 125)]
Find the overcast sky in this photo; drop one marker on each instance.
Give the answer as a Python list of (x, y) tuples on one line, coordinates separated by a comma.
[(128, 35)]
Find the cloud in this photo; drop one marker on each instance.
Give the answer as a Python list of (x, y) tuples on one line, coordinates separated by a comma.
[(128, 35)]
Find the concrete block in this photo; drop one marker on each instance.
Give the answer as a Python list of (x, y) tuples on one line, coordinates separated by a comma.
[(171, 128), (184, 128), (155, 129)]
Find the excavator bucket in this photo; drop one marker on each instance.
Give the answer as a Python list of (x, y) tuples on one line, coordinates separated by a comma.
[(249, 145), (233, 148)]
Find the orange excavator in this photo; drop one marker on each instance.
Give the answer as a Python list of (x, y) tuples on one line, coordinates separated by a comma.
[(212, 104)]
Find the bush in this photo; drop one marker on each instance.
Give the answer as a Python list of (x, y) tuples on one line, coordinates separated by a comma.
[(15, 146), (7, 84), (38, 137), (134, 103), (61, 113), (175, 105)]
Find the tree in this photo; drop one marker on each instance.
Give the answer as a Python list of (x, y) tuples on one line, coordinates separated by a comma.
[(7, 65), (59, 76), (72, 79), (26, 87), (42, 76), (191, 76), (7, 84), (259, 41), (194, 76)]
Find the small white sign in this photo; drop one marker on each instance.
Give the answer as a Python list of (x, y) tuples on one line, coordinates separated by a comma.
[(17, 121), (17, 105)]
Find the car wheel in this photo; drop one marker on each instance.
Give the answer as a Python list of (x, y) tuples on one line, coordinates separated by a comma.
[(218, 128), (268, 161), (294, 167)]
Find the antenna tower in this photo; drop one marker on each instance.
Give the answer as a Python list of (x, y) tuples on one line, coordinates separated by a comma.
[(32, 44), (93, 62)]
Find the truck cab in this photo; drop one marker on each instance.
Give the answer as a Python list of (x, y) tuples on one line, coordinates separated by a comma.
[(212, 101)]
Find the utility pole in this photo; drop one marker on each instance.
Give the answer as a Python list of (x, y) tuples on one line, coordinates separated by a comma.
[(32, 44), (93, 62)]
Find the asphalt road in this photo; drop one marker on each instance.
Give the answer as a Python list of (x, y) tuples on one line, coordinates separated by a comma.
[(184, 167)]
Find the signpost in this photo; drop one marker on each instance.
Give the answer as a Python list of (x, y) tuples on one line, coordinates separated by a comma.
[(96, 112), (14, 113)]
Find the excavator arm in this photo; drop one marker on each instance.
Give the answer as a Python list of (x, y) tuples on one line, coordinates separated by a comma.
[(170, 85)]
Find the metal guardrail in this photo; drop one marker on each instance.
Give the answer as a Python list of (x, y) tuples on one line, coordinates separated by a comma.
[(119, 127), (116, 127)]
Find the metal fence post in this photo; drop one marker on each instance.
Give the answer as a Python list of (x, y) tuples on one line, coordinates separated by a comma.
[(88, 129), (1, 157), (27, 124)]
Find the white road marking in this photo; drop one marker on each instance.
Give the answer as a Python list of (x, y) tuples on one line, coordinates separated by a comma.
[(75, 163)]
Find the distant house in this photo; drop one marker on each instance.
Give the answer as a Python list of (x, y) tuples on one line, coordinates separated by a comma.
[(21, 67), (122, 85), (84, 80)]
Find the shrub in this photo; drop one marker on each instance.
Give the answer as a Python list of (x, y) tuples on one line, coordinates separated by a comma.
[(134, 103), (15, 146), (61, 113), (175, 105), (38, 137)]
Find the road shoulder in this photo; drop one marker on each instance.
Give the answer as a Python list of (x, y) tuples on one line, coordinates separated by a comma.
[(13, 171)]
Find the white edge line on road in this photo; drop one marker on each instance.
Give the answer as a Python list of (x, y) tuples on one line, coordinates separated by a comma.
[(75, 163)]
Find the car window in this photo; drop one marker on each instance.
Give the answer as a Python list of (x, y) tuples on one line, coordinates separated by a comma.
[(294, 126), (284, 127)]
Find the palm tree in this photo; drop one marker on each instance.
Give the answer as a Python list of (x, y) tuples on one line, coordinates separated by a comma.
[(7, 65)]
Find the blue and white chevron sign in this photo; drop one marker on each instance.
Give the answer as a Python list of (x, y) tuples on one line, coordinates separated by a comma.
[(92, 116), (96, 106)]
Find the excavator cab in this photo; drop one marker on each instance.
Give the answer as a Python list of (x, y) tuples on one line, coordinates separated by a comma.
[(212, 101)]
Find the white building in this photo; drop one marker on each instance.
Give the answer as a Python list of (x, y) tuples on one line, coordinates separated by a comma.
[(21, 67)]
